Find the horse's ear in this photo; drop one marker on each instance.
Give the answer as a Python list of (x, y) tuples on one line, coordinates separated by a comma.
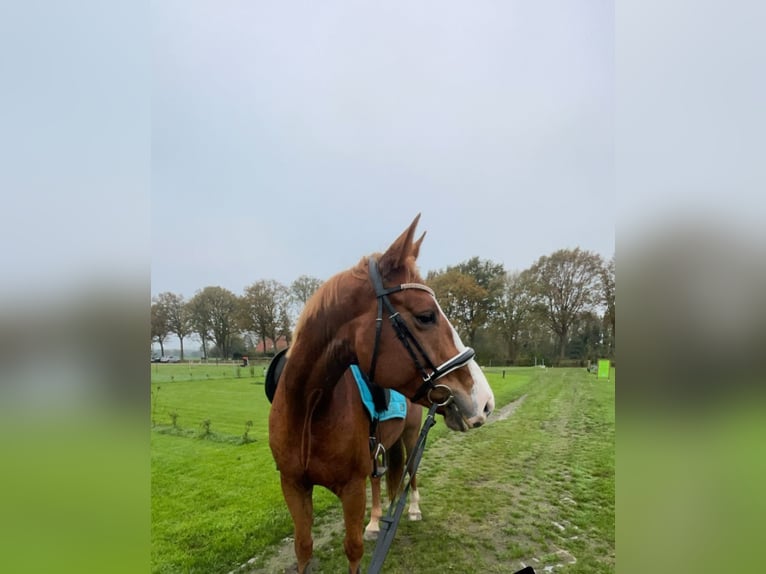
[(396, 255), (416, 246)]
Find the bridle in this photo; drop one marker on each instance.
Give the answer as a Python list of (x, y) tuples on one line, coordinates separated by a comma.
[(430, 372)]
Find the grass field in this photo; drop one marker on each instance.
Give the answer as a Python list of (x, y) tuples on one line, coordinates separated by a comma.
[(536, 487)]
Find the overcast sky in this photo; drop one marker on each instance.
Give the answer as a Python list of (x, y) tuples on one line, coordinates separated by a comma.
[(292, 138)]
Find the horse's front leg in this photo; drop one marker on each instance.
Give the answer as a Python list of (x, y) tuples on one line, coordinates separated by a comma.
[(354, 499), (301, 507), (373, 527)]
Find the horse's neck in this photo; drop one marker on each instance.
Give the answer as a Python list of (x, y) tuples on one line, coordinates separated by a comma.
[(322, 349), (311, 372)]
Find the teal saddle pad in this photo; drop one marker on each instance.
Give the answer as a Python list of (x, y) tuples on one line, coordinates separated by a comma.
[(397, 404)]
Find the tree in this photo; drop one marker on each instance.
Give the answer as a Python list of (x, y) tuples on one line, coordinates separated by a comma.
[(462, 300), (177, 314), (489, 276), (587, 340), (303, 288), (285, 326), (199, 317), (565, 284), (263, 310), (537, 344), (469, 294), (300, 291), (214, 316), (159, 326), (514, 311), (608, 299), (237, 348)]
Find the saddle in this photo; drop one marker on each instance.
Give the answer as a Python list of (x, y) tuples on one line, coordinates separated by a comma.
[(273, 373)]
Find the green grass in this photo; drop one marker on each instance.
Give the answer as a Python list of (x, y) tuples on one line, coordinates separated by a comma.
[(532, 487), (215, 500), (191, 371), (529, 487), (227, 403)]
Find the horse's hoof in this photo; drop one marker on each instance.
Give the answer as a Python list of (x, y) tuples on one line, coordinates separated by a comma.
[(371, 534), (415, 516), (295, 569)]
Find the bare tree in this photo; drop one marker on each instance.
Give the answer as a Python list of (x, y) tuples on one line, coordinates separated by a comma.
[(199, 317), (159, 326), (263, 310), (514, 311), (565, 284), (285, 326), (303, 288), (214, 316), (178, 316), (301, 291), (608, 294)]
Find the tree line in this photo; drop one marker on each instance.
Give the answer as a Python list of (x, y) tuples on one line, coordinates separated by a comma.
[(559, 311)]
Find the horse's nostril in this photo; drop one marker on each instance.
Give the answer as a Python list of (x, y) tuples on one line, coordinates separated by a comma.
[(487, 409)]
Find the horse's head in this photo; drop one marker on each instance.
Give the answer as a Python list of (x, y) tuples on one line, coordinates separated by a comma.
[(405, 341)]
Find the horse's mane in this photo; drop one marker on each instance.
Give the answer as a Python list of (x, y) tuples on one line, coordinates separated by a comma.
[(321, 310), (325, 308)]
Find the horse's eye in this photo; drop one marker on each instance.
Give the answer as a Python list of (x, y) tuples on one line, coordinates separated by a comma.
[(426, 318)]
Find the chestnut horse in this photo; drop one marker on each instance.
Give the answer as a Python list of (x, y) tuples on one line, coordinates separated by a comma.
[(397, 436), (313, 438)]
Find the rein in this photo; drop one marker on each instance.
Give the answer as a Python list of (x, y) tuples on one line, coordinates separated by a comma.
[(390, 522)]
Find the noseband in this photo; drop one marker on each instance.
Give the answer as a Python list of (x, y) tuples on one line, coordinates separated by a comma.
[(423, 363)]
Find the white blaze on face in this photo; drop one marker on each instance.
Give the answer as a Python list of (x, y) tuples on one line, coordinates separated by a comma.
[(482, 398)]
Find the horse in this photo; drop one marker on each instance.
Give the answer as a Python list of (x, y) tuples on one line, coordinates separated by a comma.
[(397, 435), (314, 436)]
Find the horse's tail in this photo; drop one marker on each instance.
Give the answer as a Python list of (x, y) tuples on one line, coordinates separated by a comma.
[(395, 468)]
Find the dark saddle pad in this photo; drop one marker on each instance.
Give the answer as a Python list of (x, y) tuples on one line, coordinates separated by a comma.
[(273, 373)]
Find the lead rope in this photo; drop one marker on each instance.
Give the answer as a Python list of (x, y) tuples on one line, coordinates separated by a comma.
[(390, 522)]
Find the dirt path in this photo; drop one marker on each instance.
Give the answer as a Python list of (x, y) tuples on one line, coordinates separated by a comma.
[(281, 559), (506, 411)]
